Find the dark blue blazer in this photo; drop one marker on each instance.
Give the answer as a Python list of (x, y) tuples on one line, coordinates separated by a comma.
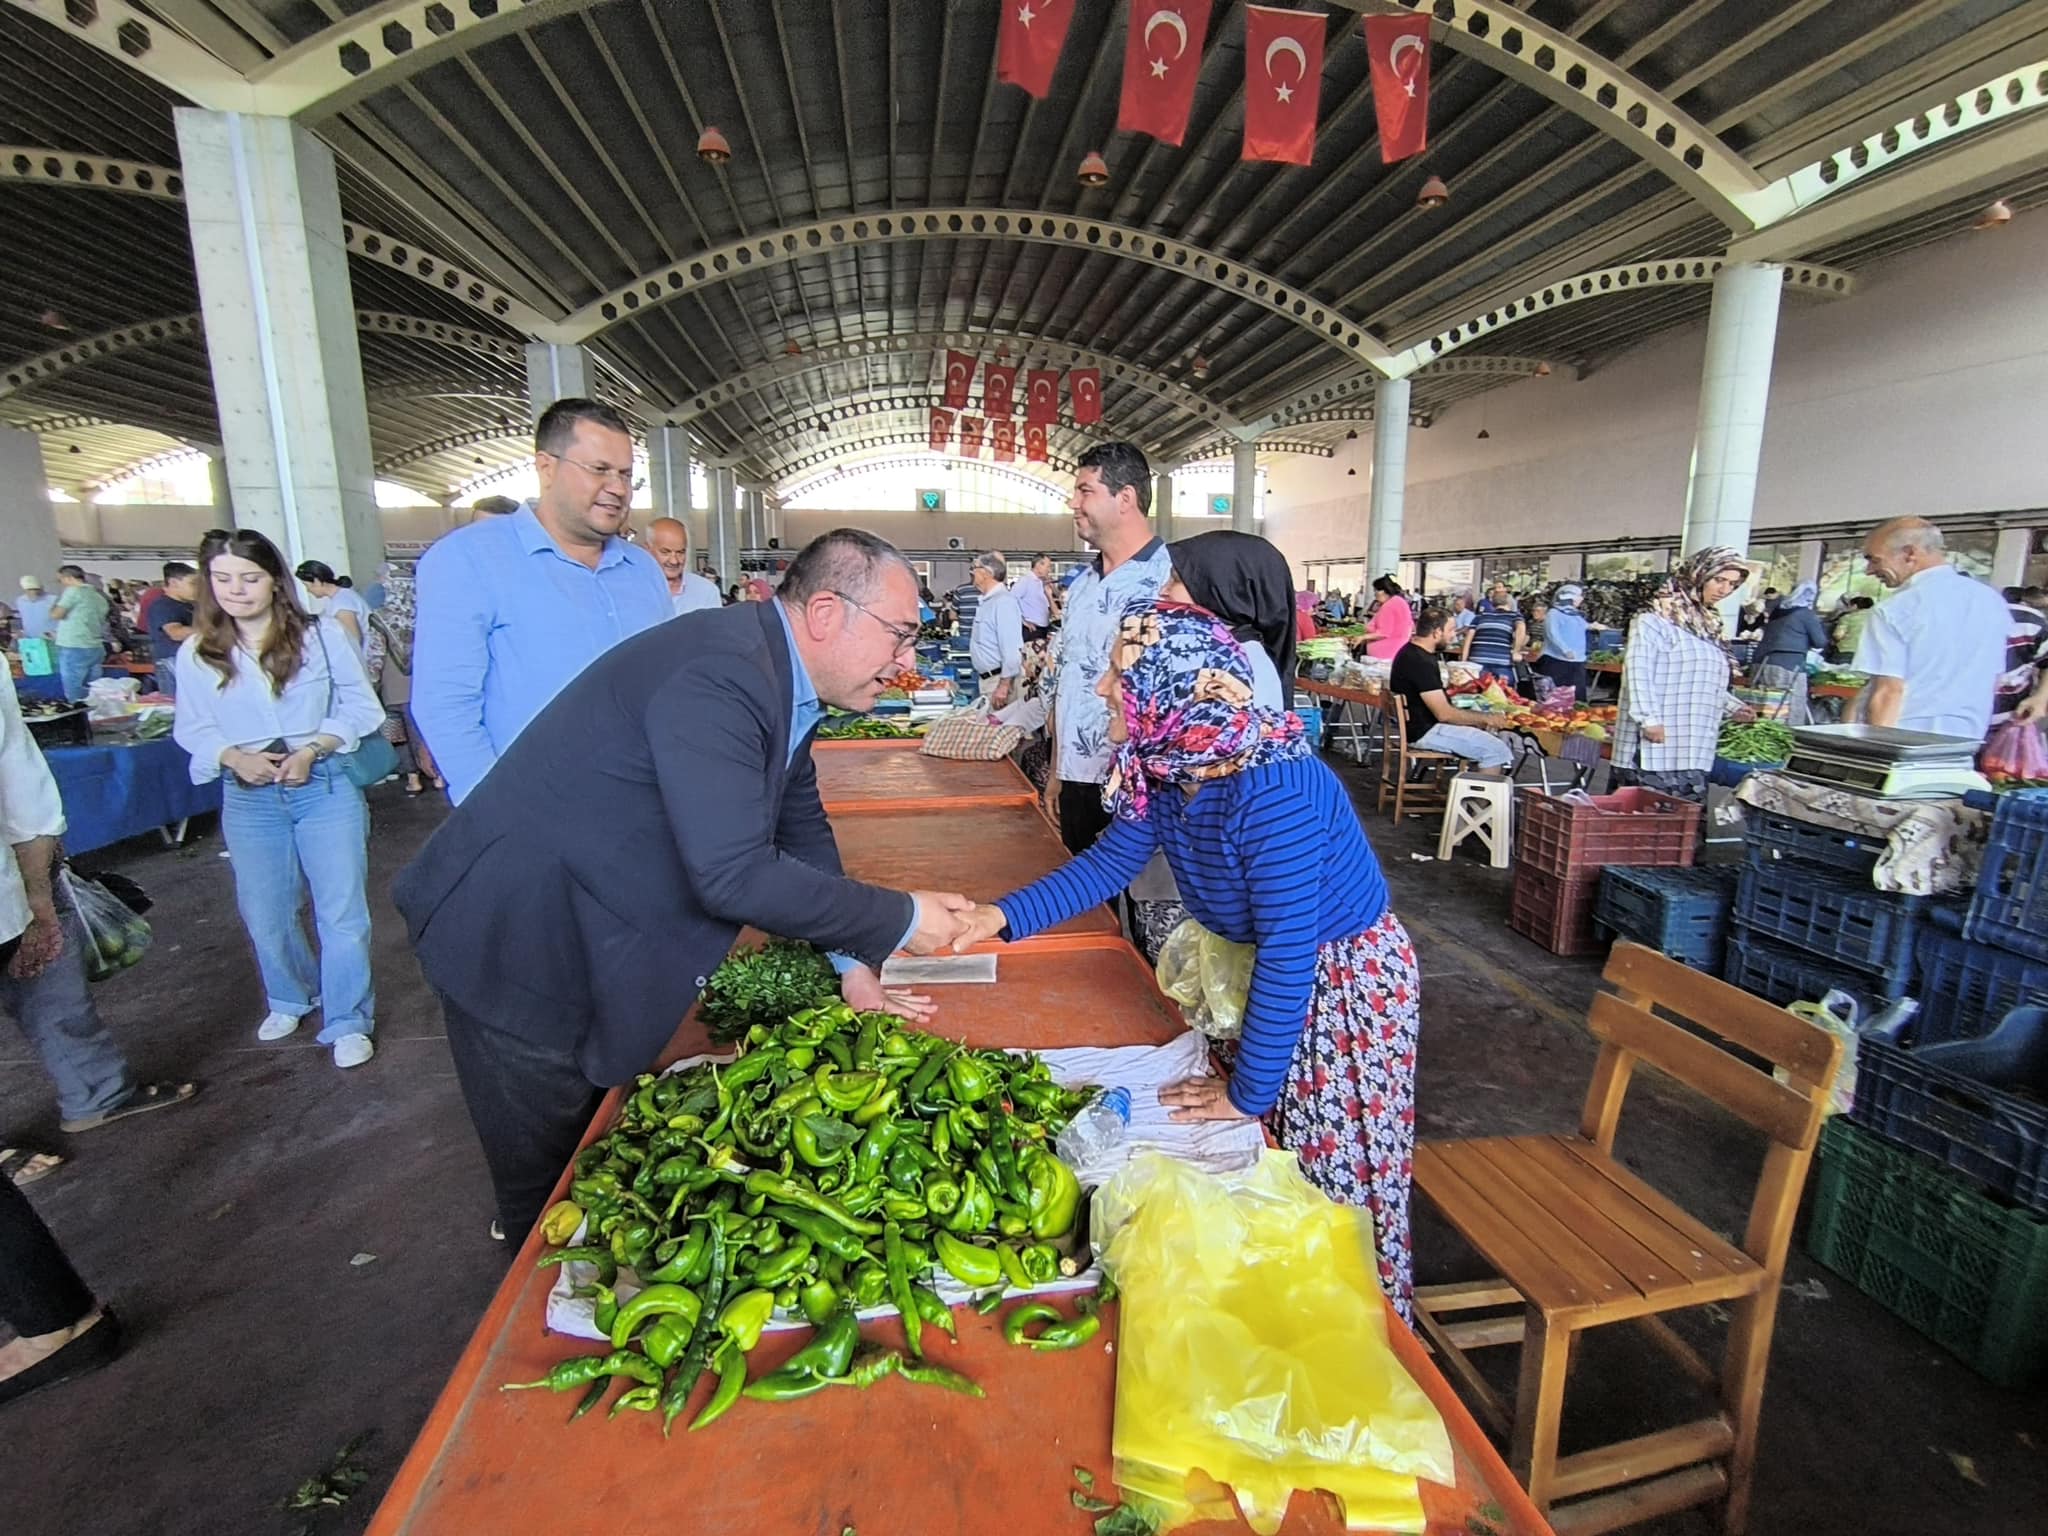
[(584, 890)]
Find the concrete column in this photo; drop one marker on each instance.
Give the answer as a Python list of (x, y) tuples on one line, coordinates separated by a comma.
[(28, 523), (223, 493), (2009, 557), (1244, 487), (723, 543), (1389, 478), (771, 519), (1162, 505), (555, 372), (1811, 552), (1735, 384), (752, 535), (281, 335), (668, 478)]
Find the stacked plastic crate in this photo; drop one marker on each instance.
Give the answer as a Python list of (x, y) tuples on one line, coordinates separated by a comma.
[(1563, 842), (1935, 1200), (1682, 913)]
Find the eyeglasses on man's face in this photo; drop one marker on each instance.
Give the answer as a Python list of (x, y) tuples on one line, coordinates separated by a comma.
[(604, 472), (905, 635)]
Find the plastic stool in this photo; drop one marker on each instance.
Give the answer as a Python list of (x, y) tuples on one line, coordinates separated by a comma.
[(1483, 805)]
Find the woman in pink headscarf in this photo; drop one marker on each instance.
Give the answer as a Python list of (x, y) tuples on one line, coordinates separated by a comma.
[(758, 590), (1304, 615)]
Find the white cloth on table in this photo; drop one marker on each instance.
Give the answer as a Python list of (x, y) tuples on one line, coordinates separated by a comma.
[(1944, 634)]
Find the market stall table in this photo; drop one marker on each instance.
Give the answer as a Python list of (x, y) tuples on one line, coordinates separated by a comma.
[(1353, 717), (872, 776), (898, 1459), (982, 851), (111, 792)]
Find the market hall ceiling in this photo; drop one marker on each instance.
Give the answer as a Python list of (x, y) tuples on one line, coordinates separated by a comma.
[(531, 170)]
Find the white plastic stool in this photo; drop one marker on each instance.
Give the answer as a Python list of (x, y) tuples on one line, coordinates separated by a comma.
[(1482, 805)]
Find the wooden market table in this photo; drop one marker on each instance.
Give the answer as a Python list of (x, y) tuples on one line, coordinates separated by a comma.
[(897, 1459), (871, 776)]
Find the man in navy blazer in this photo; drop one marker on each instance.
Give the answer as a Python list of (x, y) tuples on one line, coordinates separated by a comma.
[(570, 909)]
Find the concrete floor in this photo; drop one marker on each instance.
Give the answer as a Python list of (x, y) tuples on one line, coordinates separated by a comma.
[(227, 1232)]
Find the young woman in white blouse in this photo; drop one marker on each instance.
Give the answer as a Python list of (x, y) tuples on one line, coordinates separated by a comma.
[(271, 696), (334, 601)]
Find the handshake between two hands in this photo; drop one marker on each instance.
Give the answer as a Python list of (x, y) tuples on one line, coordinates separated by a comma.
[(947, 921)]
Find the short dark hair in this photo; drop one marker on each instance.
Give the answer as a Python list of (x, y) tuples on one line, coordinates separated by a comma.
[(173, 569), (557, 424), (76, 572), (1120, 465), (494, 506), (315, 570), (1431, 619), (845, 560), (1388, 585)]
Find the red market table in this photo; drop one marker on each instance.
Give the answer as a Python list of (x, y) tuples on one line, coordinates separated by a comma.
[(870, 776)]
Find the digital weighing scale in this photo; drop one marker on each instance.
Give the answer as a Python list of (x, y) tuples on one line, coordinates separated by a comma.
[(1882, 761)]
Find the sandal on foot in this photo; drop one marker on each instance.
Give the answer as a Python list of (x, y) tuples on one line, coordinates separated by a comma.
[(98, 1345), (147, 1096), (21, 1166)]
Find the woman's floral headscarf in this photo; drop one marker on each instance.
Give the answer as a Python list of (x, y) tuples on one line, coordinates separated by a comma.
[(1188, 710)]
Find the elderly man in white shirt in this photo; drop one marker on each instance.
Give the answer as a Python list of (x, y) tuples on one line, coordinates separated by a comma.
[(1934, 649), (996, 643), (668, 540)]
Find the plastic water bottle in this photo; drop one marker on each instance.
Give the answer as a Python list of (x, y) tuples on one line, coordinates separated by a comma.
[(1095, 1130)]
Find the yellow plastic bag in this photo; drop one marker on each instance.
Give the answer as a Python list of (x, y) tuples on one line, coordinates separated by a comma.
[(1208, 976), (1252, 1346)]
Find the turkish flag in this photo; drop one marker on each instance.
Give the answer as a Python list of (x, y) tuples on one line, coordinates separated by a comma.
[(1398, 47), (959, 375), (1003, 437), (1283, 83), (1028, 42), (1042, 396), (1034, 444), (1162, 58), (942, 430), (1086, 386), (970, 437), (997, 386)]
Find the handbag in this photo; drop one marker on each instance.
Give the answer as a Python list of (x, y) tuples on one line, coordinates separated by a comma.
[(969, 735), (374, 759)]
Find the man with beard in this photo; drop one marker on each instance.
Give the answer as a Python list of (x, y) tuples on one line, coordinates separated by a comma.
[(511, 609)]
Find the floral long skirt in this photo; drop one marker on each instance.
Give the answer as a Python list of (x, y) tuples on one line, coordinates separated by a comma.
[(1348, 1107)]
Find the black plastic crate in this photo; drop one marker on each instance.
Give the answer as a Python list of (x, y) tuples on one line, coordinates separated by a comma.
[(1832, 916), (1682, 913), (1781, 974), (1773, 837), (1996, 1137), (1965, 987), (2010, 908)]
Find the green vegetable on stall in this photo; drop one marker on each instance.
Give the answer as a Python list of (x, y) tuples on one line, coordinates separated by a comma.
[(1757, 741)]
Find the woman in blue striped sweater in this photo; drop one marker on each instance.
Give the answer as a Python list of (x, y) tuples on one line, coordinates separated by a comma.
[(1267, 850)]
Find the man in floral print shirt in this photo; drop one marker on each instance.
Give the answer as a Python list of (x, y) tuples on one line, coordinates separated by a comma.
[(1112, 494)]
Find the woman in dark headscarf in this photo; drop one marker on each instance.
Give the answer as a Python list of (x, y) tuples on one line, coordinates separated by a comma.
[(1245, 582)]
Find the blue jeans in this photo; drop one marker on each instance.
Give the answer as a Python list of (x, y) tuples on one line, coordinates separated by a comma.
[(283, 842), (57, 1015), (77, 665)]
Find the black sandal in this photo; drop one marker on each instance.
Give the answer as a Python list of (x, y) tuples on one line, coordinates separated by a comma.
[(99, 1345), (147, 1096)]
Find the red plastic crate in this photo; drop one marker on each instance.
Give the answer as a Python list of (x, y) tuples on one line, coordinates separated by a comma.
[(1576, 839), (1558, 914)]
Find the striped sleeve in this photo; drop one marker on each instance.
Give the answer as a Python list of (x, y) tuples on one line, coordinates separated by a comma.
[(1087, 880), (1280, 848)]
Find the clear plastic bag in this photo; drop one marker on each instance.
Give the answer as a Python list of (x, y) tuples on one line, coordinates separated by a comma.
[(1252, 1348), (117, 937), (1208, 976)]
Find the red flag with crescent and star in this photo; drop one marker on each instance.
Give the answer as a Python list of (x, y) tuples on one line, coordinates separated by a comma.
[(1162, 58), (1085, 384), (970, 437), (1029, 41), (1398, 48), (1034, 444), (997, 386), (1003, 440), (941, 431), (959, 376), (1283, 83), (1042, 396)]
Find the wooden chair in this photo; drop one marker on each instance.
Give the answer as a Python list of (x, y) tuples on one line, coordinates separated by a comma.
[(1411, 797), (1579, 1242)]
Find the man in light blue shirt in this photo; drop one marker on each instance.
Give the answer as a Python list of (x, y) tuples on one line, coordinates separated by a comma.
[(511, 609), (32, 612), (996, 642)]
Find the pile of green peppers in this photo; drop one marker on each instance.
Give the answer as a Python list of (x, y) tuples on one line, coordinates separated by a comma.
[(830, 1167)]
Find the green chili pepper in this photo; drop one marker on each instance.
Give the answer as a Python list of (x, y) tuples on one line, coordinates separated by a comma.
[(942, 1139), (845, 1091), (941, 1196), (593, 1397), (927, 1074), (931, 1309), (779, 1266), (566, 1375), (897, 1043), (671, 1171), (821, 1140), (1041, 1263), (899, 1287), (791, 1193), (906, 1174), (873, 1152), (730, 1361), (818, 1300), (667, 1340), (746, 1069), (867, 1042), (970, 1265), (607, 1266), (1055, 1194), (745, 1316), (676, 1396), (870, 1367), (1012, 1266), (870, 1285), (643, 1398), (684, 1254), (977, 1207), (784, 1386), (831, 1350), (902, 1207), (801, 1056), (983, 1305), (881, 1105), (560, 1222), (651, 1303), (823, 1233), (939, 1376), (1057, 1334), (968, 1079)]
